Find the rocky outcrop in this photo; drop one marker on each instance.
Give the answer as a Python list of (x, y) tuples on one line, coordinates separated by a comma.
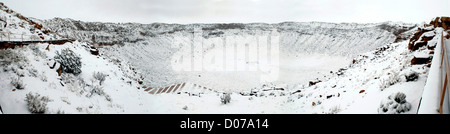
[(421, 60), (423, 34), (412, 42), (443, 22)]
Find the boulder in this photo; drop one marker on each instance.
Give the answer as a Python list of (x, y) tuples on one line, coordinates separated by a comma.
[(412, 42), (420, 60), (418, 45), (94, 51)]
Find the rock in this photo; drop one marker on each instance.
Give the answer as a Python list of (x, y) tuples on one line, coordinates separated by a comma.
[(418, 45), (362, 91), (313, 104), (431, 47), (428, 36)]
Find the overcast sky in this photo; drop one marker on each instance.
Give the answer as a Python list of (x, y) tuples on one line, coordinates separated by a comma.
[(228, 11)]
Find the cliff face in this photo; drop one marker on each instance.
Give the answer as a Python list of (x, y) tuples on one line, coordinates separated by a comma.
[(426, 32), (341, 39)]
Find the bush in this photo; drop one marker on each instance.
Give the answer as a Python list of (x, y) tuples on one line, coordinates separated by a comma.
[(99, 91), (389, 79), (36, 103), (96, 90), (9, 56), (17, 83), (413, 76), (225, 98), (70, 63), (395, 104)]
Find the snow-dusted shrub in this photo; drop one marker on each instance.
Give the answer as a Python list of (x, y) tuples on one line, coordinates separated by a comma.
[(99, 76), (68, 78), (43, 77), (225, 98), (37, 103), (33, 72), (17, 83), (70, 63), (388, 79), (412, 76), (37, 51), (395, 104)]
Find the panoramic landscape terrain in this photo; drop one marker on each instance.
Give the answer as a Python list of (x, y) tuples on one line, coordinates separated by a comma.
[(68, 66)]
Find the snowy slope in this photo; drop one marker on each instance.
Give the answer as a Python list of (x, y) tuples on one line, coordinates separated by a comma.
[(149, 47)]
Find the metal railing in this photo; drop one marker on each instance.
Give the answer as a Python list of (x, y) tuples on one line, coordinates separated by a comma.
[(6, 36), (446, 71)]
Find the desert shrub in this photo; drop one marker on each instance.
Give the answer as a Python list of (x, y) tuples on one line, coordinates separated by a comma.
[(225, 26), (33, 72), (100, 77), (225, 98), (9, 56), (413, 76), (68, 78), (17, 83), (70, 63), (37, 103), (395, 104), (334, 110)]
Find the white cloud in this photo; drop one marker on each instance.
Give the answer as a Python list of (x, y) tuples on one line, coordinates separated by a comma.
[(213, 11)]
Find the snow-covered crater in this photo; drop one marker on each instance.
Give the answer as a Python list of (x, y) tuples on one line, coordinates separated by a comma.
[(304, 51)]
